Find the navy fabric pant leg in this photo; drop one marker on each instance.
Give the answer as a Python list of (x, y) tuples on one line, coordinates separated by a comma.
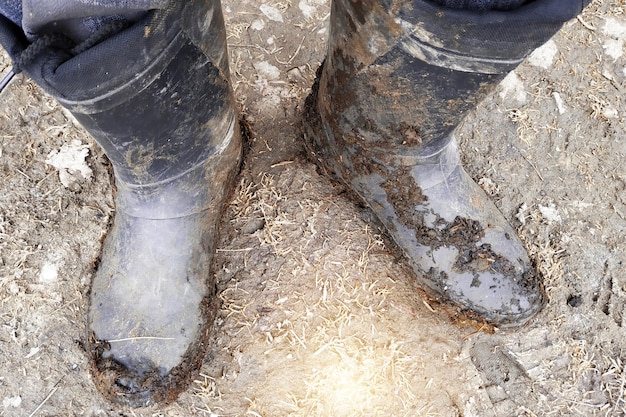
[(83, 16), (76, 19), (482, 4)]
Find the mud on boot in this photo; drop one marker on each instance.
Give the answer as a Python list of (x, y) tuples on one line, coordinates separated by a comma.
[(398, 79)]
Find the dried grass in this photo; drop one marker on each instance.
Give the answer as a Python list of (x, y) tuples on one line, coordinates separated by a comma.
[(335, 332)]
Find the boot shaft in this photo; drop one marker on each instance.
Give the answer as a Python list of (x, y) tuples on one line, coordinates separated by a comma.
[(401, 75), (156, 95), (176, 109)]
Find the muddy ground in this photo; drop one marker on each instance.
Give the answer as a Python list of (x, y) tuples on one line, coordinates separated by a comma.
[(318, 318)]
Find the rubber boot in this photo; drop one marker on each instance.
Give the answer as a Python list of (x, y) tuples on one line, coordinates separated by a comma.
[(157, 97), (398, 78)]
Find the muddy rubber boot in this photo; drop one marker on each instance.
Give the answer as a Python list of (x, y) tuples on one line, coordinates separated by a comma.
[(157, 97), (398, 78)]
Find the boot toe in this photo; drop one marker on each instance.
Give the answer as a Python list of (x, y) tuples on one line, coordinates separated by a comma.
[(139, 384), (500, 294), (150, 308)]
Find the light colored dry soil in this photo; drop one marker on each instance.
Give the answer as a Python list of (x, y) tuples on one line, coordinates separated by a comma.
[(318, 318)]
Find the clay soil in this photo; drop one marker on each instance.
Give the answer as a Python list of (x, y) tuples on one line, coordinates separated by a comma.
[(318, 317)]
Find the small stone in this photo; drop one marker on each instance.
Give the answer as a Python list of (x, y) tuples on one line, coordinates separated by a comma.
[(616, 33), (257, 24), (267, 70), (12, 402), (543, 56), (550, 213), (70, 161), (307, 9), (512, 87), (49, 273), (14, 288), (271, 12), (488, 186)]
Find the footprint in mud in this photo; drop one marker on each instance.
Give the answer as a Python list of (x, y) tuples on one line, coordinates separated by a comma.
[(504, 379), (611, 297)]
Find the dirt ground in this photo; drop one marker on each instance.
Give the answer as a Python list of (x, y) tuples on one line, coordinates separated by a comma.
[(318, 318)]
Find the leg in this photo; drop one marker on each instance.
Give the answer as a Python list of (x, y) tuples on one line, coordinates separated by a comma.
[(396, 82), (157, 97)]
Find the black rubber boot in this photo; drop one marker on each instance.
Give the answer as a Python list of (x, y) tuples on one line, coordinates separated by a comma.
[(157, 97), (398, 78)]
